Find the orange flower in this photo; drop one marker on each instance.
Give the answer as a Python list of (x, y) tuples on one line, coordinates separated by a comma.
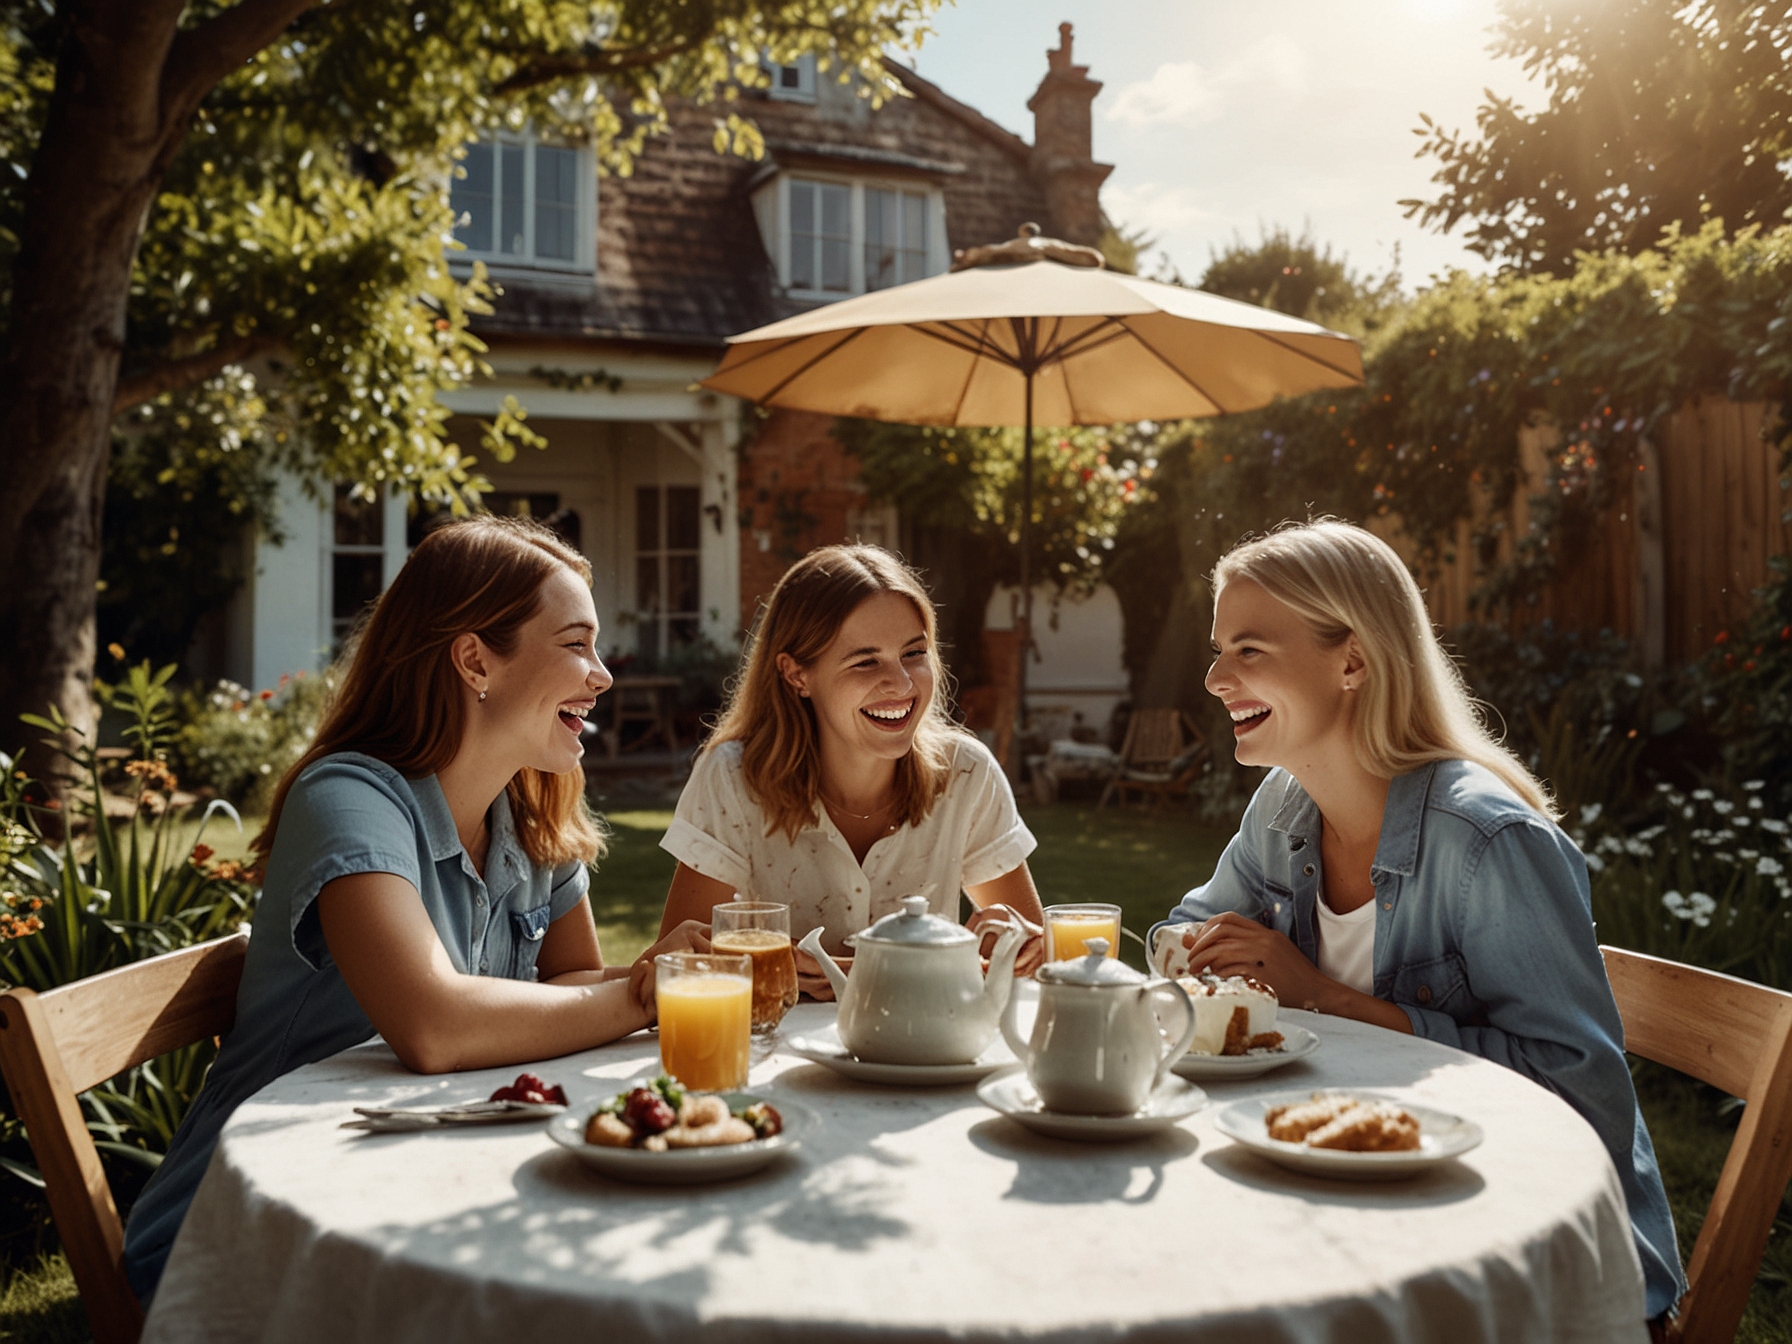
[(200, 854)]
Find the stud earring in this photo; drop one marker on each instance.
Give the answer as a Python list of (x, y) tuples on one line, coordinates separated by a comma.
[(482, 697)]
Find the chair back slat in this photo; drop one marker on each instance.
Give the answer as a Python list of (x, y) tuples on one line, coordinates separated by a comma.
[(1156, 737), (109, 1022), (1698, 1022), (1737, 1036)]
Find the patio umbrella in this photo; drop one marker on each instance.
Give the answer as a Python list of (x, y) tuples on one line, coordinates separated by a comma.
[(1034, 330)]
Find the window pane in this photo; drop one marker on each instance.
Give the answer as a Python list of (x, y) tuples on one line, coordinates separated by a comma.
[(836, 264), (556, 207), (682, 517), (802, 235), (472, 197), (647, 583), (681, 632), (880, 238), (836, 210), (647, 517), (681, 583), (790, 77), (359, 522), (354, 582), (836, 237), (914, 237), (510, 197)]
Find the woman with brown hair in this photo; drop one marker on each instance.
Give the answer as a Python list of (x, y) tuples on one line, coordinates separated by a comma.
[(835, 783), (425, 862)]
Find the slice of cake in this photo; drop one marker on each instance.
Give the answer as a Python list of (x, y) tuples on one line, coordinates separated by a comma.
[(1233, 1014)]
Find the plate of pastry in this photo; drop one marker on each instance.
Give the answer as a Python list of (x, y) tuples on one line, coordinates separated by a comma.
[(658, 1132), (1358, 1136), (1237, 1034)]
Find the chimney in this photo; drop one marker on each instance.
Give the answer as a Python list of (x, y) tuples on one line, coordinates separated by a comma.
[(1061, 159)]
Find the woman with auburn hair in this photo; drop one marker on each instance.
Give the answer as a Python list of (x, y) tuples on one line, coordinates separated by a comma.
[(1398, 865), (835, 783), (425, 861)]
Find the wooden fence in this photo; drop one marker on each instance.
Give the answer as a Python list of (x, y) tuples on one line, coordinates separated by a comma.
[(1677, 557)]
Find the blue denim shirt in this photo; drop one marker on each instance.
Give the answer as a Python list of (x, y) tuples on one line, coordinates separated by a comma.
[(1484, 936), (346, 814)]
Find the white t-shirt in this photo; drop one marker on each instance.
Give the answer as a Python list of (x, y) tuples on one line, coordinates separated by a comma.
[(973, 835), (1347, 945)]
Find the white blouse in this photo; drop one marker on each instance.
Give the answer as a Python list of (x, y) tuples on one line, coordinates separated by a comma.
[(973, 835)]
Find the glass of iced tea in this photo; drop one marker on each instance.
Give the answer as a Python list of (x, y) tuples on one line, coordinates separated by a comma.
[(1069, 927), (760, 930), (706, 1012)]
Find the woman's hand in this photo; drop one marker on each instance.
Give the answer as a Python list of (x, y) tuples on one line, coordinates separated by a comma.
[(809, 978), (688, 936), (1032, 949), (1230, 944)]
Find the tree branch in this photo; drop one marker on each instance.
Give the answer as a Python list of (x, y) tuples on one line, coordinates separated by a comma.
[(174, 375), (598, 61), (203, 55)]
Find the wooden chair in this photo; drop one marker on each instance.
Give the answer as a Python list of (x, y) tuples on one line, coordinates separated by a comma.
[(1156, 757), (1737, 1036), (56, 1045)]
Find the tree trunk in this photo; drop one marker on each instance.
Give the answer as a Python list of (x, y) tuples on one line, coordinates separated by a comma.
[(103, 152)]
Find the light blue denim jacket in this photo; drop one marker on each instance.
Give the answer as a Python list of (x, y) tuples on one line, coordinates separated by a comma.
[(1484, 935)]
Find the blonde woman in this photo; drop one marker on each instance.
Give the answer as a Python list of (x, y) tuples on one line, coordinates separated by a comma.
[(1398, 865), (835, 782)]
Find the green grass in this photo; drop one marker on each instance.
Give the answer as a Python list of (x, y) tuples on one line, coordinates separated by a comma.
[(1140, 861)]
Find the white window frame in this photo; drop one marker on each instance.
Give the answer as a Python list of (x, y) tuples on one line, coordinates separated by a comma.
[(584, 258), (803, 91), (771, 205)]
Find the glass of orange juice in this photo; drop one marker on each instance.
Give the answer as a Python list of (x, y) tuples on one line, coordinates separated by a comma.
[(1069, 927), (706, 1017)]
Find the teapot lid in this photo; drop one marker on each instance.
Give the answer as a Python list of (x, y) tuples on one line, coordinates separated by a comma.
[(1097, 968), (915, 926)]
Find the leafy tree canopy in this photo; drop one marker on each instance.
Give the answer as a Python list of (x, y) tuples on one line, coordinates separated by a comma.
[(1660, 112), (1297, 276), (293, 300)]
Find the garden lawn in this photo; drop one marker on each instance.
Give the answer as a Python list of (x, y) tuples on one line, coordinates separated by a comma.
[(1140, 861)]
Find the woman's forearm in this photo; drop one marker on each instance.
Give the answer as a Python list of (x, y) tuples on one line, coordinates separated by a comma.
[(479, 1022)]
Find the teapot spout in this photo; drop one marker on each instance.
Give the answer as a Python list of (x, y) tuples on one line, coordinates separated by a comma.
[(811, 943)]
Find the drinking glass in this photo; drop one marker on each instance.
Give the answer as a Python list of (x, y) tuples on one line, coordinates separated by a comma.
[(706, 1013), (760, 930), (1069, 927)]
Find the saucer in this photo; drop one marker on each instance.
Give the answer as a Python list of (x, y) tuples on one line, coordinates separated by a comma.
[(687, 1166), (1297, 1043), (1011, 1093), (823, 1047), (1441, 1137)]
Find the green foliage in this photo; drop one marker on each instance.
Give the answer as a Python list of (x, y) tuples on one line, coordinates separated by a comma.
[(240, 743), (1295, 275), (1746, 682), (1084, 483), (297, 299), (1661, 113), (125, 899)]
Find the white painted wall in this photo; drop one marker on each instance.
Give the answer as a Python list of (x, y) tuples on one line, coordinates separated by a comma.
[(1080, 667), (289, 618)]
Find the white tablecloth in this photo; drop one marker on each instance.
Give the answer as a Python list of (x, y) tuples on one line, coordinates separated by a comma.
[(912, 1215)]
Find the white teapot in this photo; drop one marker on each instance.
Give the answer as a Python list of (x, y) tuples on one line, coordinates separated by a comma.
[(917, 993), (1096, 1047)]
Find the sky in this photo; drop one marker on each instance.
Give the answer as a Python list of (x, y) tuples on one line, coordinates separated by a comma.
[(1224, 116)]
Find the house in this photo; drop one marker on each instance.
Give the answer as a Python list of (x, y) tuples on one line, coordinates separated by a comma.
[(617, 296)]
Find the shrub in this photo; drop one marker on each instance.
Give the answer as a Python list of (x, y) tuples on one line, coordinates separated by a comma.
[(238, 743)]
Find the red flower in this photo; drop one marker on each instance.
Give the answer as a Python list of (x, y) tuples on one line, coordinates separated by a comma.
[(267, 695), (1723, 637)]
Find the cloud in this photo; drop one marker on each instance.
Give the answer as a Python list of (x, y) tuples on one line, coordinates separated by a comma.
[(1186, 93), (1155, 207)]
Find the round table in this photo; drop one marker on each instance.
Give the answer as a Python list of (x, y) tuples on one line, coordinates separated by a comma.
[(910, 1215)]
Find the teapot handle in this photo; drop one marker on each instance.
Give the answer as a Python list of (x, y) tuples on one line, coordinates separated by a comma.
[(1180, 1048), (1023, 1050)]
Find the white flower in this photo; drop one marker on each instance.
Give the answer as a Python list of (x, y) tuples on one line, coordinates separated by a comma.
[(1696, 907), (1723, 807), (1775, 825), (1650, 833), (1723, 837), (1756, 802), (1741, 819), (1769, 866), (1755, 785), (1590, 813), (1687, 813), (1673, 900), (1595, 864), (1639, 848), (1750, 855), (1664, 788), (1703, 795), (1610, 844)]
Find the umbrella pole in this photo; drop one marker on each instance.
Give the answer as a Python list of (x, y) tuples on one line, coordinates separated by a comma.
[(1026, 577)]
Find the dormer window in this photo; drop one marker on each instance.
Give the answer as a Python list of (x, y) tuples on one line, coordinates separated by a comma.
[(831, 237), (521, 202), (795, 82)]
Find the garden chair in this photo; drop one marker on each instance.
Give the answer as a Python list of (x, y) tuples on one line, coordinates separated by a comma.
[(56, 1045), (1156, 758), (1736, 1036)]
